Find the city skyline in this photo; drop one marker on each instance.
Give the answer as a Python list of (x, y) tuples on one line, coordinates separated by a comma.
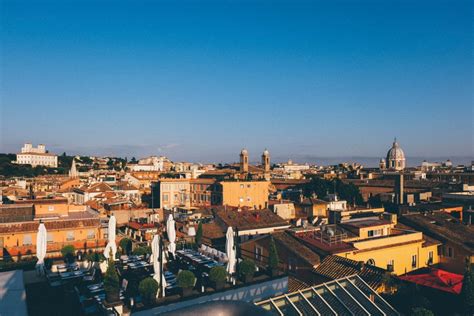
[(199, 82)]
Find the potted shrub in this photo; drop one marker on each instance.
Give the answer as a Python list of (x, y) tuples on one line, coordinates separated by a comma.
[(273, 259), (126, 246), (142, 251), (218, 275), (186, 281), (68, 252), (111, 282), (246, 270), (148, 288)]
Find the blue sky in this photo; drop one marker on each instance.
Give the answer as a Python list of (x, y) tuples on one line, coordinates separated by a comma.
[(199, 80)]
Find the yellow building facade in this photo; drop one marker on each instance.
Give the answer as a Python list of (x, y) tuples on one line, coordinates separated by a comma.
[(378, 241), (252, 194), (65, 225), (383, 244)]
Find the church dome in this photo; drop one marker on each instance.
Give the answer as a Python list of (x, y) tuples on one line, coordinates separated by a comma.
[(395, 157), (244, 152), (396, 152)]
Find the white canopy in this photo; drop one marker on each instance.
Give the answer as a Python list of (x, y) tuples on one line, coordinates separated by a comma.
[(155, 257), (111, 244), (171, 230), (41, 242), (230, 251)]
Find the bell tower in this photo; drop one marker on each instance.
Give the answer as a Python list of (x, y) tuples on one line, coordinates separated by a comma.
[(266, 160), (244, 160)]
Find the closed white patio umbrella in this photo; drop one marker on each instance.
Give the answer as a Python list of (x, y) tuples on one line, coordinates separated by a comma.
[(230, 251), (111, 240), (41, 242), (171, 230), (155, 257)]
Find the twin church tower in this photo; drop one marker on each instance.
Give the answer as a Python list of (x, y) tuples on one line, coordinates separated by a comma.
[(244, 160)]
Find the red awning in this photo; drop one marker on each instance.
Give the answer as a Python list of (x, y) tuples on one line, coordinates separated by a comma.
[(437, 279)]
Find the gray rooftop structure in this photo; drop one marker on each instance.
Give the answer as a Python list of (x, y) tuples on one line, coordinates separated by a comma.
[(345, 296)]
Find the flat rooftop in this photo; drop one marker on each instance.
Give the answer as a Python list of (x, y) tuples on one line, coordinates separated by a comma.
[(12, 294)]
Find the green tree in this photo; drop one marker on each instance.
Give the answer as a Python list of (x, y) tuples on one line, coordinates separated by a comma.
[(126, 246), (322, 187), (273, 255), (68, 253), (199, 235), (148, 288), (467, 291), (111, 281)]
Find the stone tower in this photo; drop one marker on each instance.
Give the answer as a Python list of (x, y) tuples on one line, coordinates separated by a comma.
[(266, 160), (399, 189), (73, 171), (244, 160)]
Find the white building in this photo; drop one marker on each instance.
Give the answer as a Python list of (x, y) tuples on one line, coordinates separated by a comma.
[(152, 163), (335, 204), (36, 156)]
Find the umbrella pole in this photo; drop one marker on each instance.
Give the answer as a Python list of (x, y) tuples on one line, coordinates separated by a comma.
[(160, 255)]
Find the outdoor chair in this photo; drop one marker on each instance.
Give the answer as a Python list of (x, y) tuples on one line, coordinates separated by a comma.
[(91, 277)]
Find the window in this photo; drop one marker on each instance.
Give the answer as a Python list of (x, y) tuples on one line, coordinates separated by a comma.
[(241, 186), (390, 265), (70, 236), (27, 240), (430, 257), (50, 238), (90, 234), (375, 233), (51, 208), (165, 197), (450, 252), (258, 253), (413, 261)]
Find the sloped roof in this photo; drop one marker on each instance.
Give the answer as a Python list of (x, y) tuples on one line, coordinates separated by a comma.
[(442, 226), (297, 248), (334, 267), (96, 187), (437, 279), (246, 219)]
